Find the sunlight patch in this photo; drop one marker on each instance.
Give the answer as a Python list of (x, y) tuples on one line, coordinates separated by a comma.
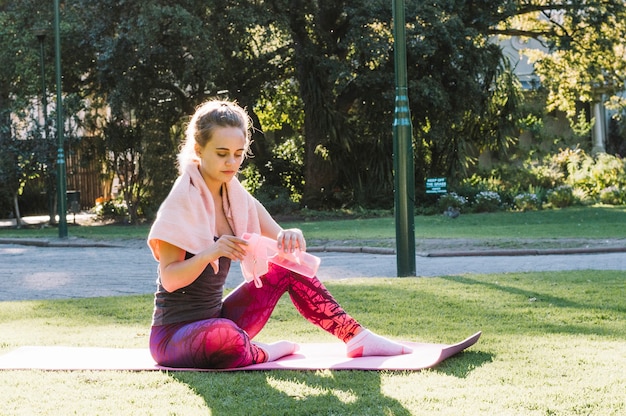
[(301, 391), (13, 251)]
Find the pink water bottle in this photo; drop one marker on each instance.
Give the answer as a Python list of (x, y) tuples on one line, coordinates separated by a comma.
[(264, 250)]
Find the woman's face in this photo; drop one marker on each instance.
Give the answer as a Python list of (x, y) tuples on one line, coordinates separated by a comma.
[(222, 156)]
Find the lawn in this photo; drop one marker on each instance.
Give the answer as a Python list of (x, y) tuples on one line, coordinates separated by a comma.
[(597, 222), (553, 344)]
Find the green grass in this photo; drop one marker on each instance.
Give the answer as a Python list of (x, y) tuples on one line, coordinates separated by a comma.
[(552, 344), (96, 232), (577, 222)]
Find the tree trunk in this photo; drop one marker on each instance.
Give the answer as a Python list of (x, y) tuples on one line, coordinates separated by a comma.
[(18, 215), (319, 174)]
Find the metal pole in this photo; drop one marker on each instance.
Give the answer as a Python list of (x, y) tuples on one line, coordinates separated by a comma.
[(61, 170), (403, 152)]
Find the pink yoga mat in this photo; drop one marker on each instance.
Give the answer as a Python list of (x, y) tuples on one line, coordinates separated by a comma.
[(330, 356)]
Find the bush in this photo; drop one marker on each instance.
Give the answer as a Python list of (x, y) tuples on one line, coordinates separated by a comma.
[(527, 202), (595, 174), (112, 209), (487, 201), (613, 196), (572, 177), (451, 200), (561, 197), (276, 200)]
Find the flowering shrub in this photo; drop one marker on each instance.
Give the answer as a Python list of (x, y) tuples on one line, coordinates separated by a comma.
[(561, 196), (595, 174), (612, 196), (487, 201), (527, 201), (451, 199)]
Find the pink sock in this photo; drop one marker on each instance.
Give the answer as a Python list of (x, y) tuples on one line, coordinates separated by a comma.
[(367, 343), (278, 349)]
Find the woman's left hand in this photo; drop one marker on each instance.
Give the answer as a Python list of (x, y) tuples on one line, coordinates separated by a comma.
[(291, 240)]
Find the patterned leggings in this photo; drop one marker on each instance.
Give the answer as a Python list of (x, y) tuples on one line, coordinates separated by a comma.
[(224, 342)]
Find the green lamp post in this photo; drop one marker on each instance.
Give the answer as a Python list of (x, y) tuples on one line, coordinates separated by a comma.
[(404, 179), (61, 169)]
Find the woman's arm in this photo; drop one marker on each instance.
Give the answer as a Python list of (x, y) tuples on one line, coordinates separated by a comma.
[(288, 240), (176, 272)]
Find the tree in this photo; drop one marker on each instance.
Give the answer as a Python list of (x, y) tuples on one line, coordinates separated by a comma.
[(322, 69), (339, 54), (343, 60), (253, 49), (585, 56), (24, 153), (151, 68), (155, 62)]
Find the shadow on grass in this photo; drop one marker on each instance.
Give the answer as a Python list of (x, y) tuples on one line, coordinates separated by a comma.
[(293, 392), (529, 294), (463, 364), (558, 301), (342, 392), (583, 306)]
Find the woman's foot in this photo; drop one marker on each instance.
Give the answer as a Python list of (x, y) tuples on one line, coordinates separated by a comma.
[(278, 349), (367, 343)]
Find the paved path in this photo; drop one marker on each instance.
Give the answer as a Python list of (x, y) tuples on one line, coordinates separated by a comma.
[(50, 272)]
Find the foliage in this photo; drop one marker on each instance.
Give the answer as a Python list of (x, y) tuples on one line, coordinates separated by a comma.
[(124, 144), (562, 179), (592, 174), (487, 201), (18, 161), (583, 60), (613, 195), (317, 78), (527, 201), (450, 59), (560, 197), (278, 160), (451, 200), (340, 96), (608, 171), (111, 210), (285, 168), (616, 140)]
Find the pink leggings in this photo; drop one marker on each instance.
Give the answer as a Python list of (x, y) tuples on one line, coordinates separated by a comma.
[(224, 342)]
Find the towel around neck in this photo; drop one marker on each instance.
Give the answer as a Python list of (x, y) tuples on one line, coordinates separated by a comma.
[(186, 218)]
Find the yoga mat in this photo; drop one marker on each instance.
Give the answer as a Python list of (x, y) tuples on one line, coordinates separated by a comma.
[(330, 356)]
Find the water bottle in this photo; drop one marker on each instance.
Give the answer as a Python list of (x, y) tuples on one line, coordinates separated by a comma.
[(263, 250)]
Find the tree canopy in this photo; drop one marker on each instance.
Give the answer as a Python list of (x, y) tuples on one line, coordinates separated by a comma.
[(316, 76)]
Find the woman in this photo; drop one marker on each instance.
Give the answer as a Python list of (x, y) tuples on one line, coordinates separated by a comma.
[(195, 237)]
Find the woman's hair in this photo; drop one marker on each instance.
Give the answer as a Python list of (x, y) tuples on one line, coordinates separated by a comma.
[(209, 116)]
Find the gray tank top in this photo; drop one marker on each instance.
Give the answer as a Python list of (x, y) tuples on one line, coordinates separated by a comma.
[(202, 299)]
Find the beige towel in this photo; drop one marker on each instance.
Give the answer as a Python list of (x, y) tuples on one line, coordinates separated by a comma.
[(186, 218)]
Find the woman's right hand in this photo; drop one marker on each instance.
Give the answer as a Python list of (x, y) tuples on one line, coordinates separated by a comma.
[(228, 246)]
